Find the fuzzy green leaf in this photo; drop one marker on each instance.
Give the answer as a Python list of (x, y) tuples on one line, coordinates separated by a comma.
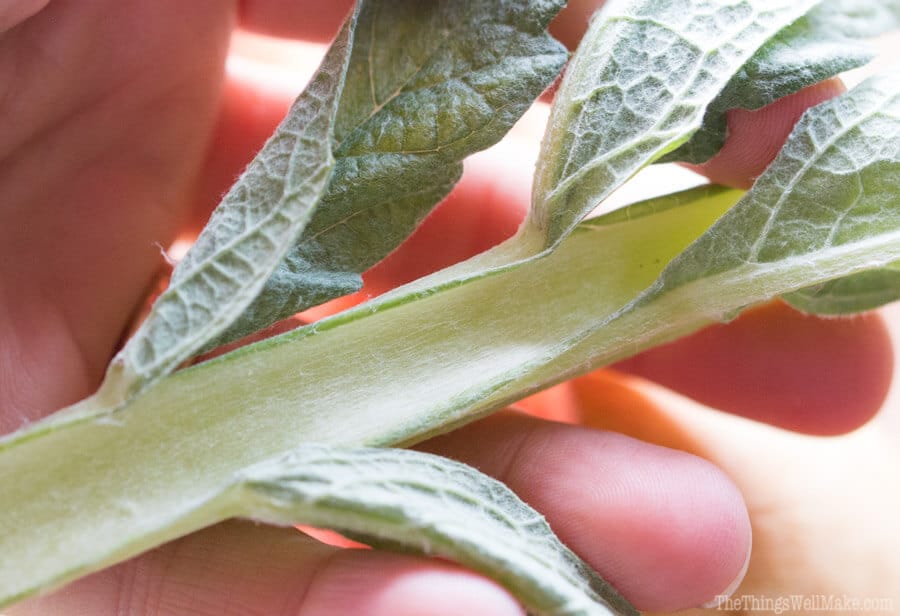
[(248, 236), (828, 203), (428, 84), (430, 505), (638, 88), (810, 50), (857, 293), (860, 18)]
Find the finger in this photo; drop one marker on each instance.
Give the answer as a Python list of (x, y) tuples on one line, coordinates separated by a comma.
[(95, 165), (667, 529), (776, 365), (572, 22), (313, 21), (755, 137), (237, 568)]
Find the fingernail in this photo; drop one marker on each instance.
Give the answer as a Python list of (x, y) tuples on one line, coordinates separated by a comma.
[(723, 596)]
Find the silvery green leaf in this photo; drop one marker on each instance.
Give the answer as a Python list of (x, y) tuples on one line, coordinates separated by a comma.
[(860, 18), (248, 235), (810, 50), (428, 84), (828, 203), (431, 505), (637, 89), (857, 293)]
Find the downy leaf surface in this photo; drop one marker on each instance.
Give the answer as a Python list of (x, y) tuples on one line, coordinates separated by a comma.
[(248, 235), (428, 84), (857, 293), (828, 203), (866, 290), (406, 92), (423, 503), (860, 18), (638, 88), (816, 47)]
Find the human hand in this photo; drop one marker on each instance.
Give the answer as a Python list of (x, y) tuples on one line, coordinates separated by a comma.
[(116, 146), (823, 510)]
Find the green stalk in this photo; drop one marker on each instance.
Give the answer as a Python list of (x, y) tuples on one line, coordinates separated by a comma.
[(104, 485)]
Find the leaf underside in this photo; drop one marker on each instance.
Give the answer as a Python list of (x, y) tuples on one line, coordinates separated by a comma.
[(860, 18), (819, 45), (830, 193), (637, 89), (248, 235), (812, 49), (414, 501), (857, 293), (428, 84)]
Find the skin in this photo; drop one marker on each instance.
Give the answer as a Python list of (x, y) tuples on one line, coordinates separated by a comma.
[(127, 129)]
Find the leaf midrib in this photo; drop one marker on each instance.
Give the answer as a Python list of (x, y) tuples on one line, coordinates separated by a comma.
[(396, 93)]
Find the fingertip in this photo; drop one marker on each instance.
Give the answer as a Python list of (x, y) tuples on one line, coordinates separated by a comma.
[(756, 136), (445, 593), (667, 529)]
